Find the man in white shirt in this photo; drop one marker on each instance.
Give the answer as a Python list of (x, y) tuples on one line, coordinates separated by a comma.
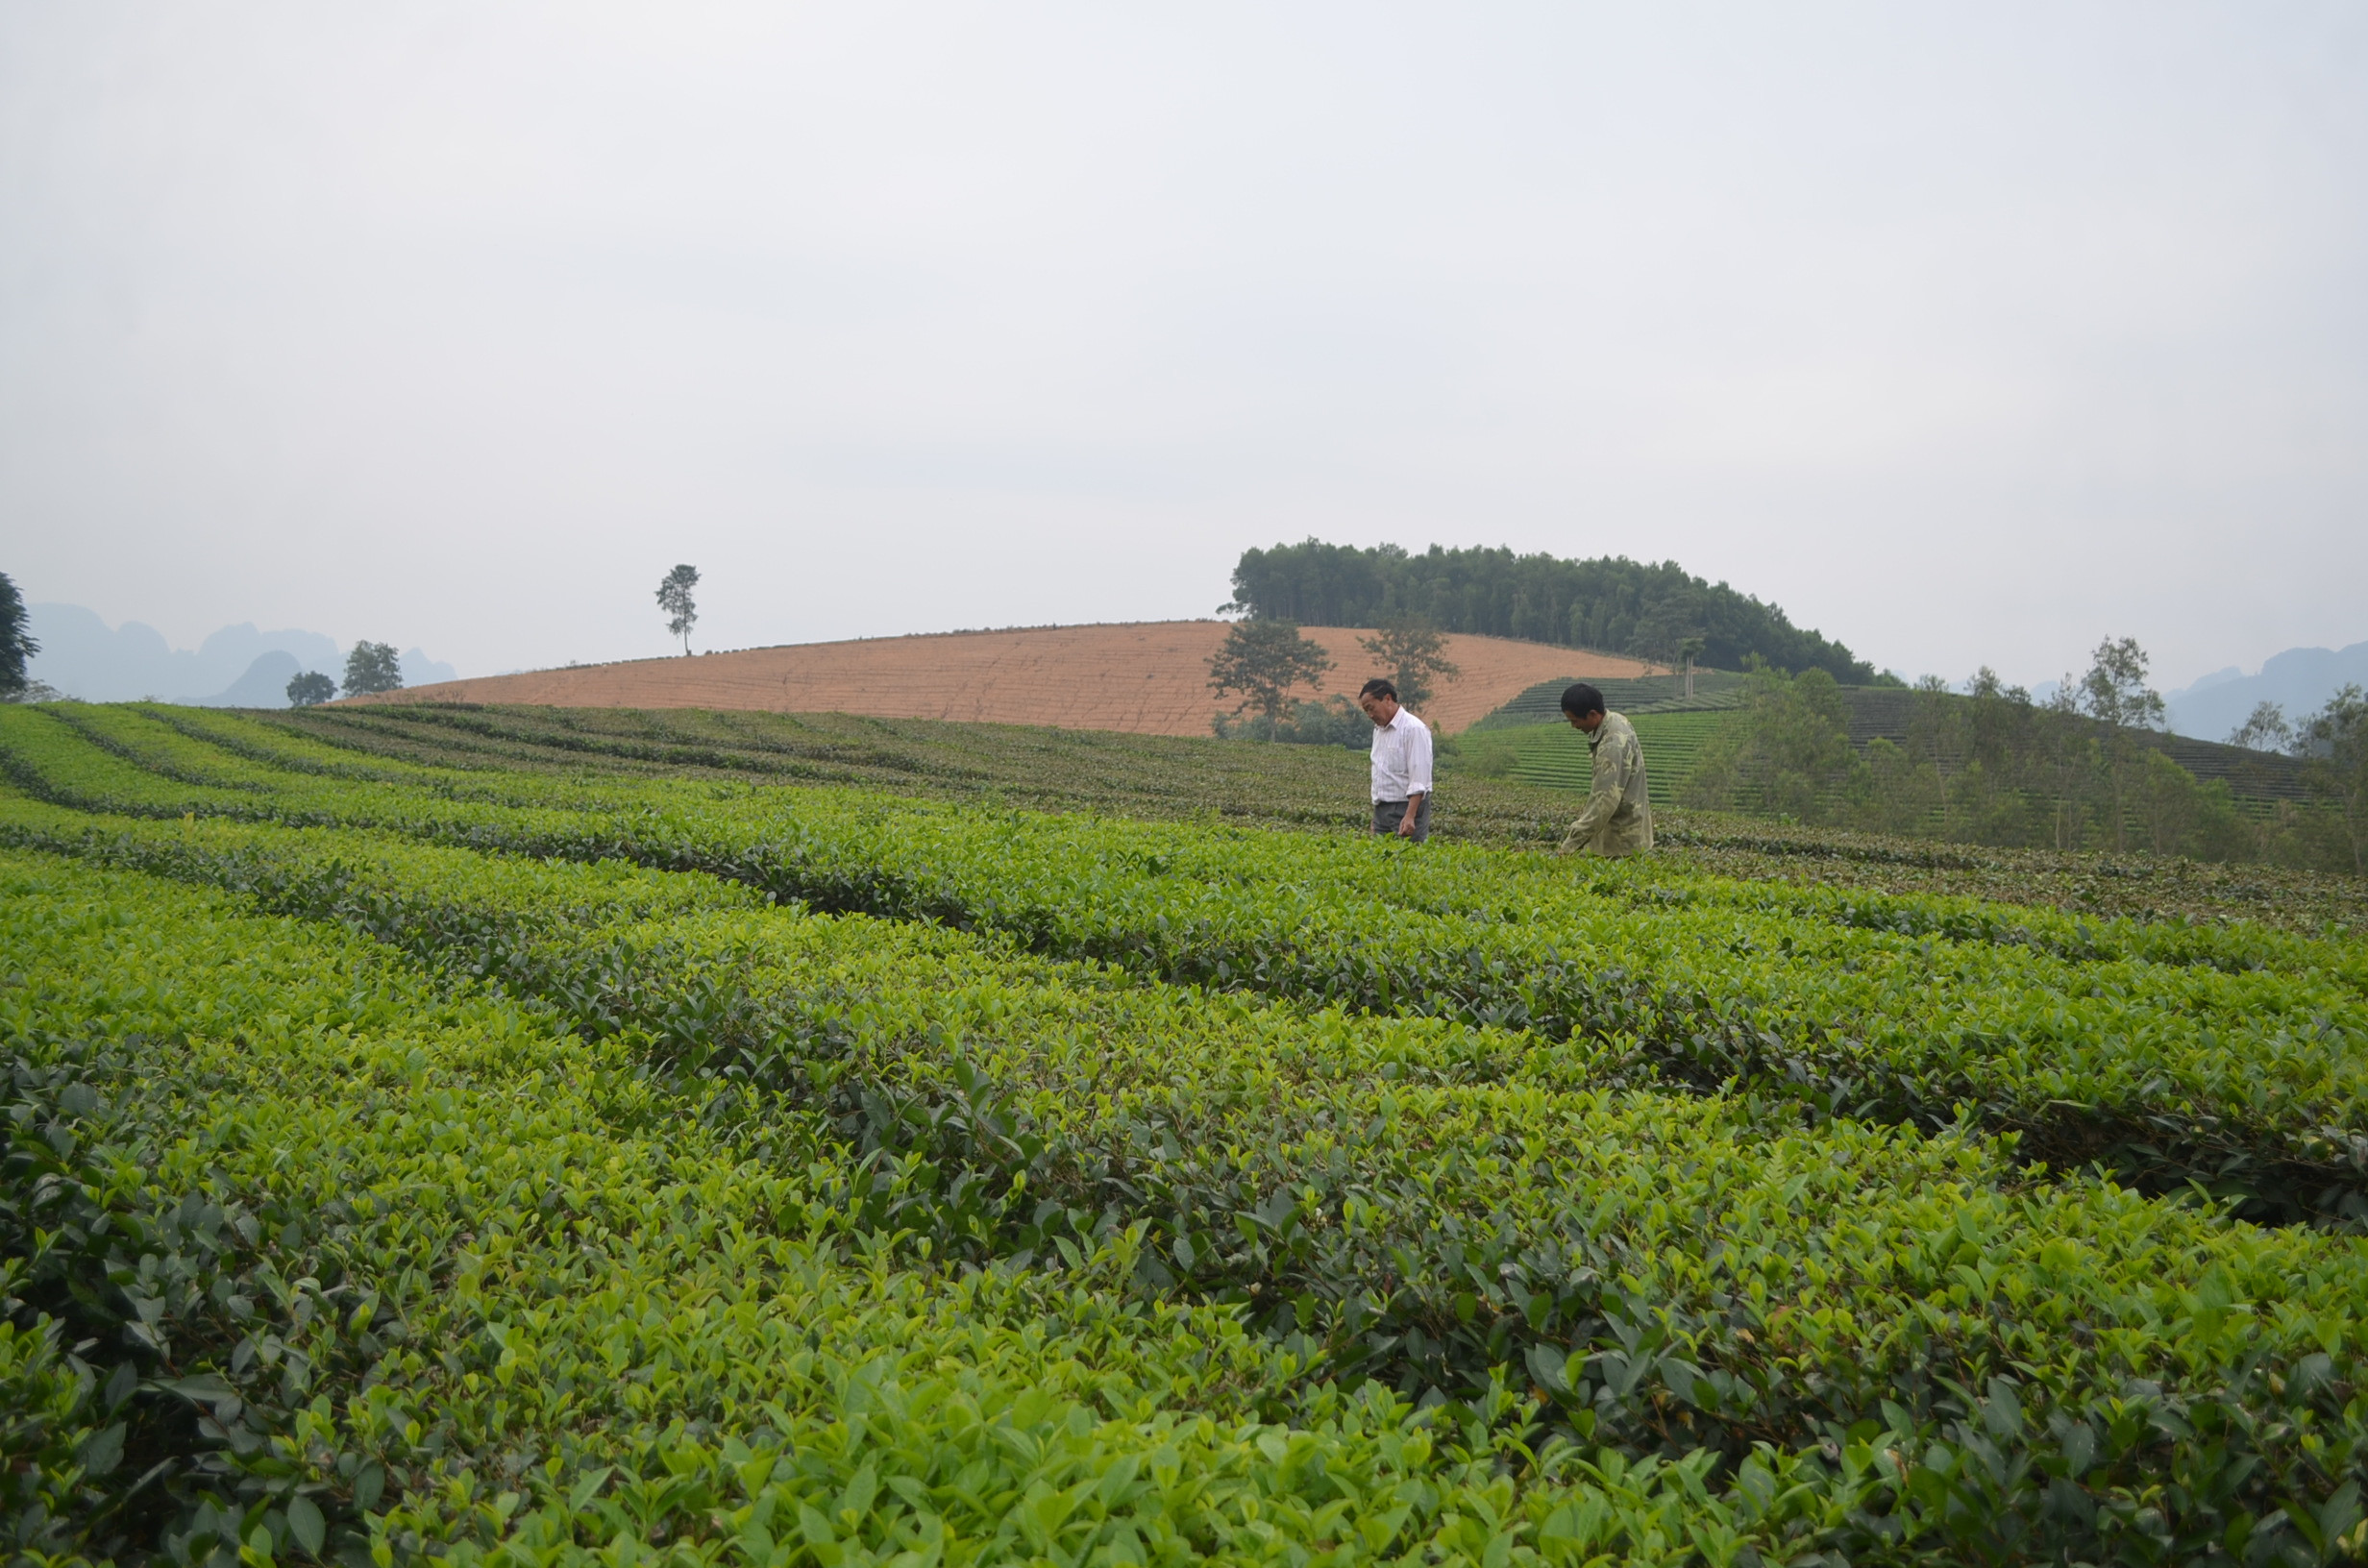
[(1401, 763)]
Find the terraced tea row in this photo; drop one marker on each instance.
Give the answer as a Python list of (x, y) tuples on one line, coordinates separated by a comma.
[(1428, 1202), (2174, 1054), (369, 1266)]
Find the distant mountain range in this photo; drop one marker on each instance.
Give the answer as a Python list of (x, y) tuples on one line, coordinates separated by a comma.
[(2300, 679), (236, 666)]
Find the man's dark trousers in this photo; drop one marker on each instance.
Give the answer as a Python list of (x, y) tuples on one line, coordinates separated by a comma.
[(1388, 814)]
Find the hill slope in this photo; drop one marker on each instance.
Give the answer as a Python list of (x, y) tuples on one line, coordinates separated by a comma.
[(1147, 679), (1543, 750)]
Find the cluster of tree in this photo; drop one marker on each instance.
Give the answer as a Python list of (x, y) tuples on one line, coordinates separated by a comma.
[(371, 667), (1653, 612), (2333, 745), (1264, 660), (1994, 766)]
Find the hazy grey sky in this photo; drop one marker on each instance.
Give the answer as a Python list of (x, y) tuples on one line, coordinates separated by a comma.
[(1966, 333)]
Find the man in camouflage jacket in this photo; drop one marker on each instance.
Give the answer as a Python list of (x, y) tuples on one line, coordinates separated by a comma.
[(1619, 819)]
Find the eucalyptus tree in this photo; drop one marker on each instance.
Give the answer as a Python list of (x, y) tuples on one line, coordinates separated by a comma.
[(2114, 693), (674, 597)]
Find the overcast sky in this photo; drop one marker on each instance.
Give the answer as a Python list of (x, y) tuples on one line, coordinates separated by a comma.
[(1968, 334)]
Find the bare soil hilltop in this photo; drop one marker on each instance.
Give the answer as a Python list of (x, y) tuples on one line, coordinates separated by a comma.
[(1142, 678)]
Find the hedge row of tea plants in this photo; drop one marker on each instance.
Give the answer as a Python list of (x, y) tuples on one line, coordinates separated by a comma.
[(2229, 1057), (309, 1254), (1441, 1208), (220, 750)]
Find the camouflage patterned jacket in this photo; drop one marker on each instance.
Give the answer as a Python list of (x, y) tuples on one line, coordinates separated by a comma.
[(1619, 819)]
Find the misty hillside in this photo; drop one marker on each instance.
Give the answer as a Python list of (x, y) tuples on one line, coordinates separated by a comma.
[(238, 666), (2299, 680)]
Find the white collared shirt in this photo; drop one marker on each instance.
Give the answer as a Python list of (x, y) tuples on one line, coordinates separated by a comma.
[(1401, 758)]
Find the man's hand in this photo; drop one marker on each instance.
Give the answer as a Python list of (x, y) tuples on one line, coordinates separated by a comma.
[(1413, 815)]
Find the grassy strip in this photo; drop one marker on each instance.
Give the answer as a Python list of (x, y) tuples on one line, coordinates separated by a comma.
[(472, 1290), (1672, 1273)]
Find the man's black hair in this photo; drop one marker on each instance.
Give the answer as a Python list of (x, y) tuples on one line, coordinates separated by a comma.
[(1579, 699), (1378, 687)]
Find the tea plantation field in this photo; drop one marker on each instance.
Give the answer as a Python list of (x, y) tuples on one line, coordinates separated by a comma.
[(525, 1138)]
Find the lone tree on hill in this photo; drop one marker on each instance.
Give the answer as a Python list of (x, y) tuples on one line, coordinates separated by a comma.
[(2115, 694), (2265, 729), (16, 643), (1415, 652), (371, 667), (310, 687), (1263, 660), (674, 597)]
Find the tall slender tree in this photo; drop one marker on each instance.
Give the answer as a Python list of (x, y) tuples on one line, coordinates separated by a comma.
[(674, 597), (1690, 649), (2114, 693), (16, 643)]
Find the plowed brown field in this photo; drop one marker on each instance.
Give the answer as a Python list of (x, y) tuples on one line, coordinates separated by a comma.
[(1147, 679)]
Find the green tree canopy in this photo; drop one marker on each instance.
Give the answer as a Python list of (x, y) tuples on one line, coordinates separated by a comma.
[(1609, 603), (371, 667), (310, 687), (1412, 652), (2264, 729), (1787, 753), (1263, 660)]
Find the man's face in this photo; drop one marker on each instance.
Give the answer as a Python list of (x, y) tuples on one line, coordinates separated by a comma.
[(1587, 722), (1378, 708)]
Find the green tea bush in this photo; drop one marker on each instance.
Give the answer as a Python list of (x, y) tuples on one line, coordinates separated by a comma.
[(1412, 1201), (1677, 1199), (2171, 1055), (400, 1271)]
